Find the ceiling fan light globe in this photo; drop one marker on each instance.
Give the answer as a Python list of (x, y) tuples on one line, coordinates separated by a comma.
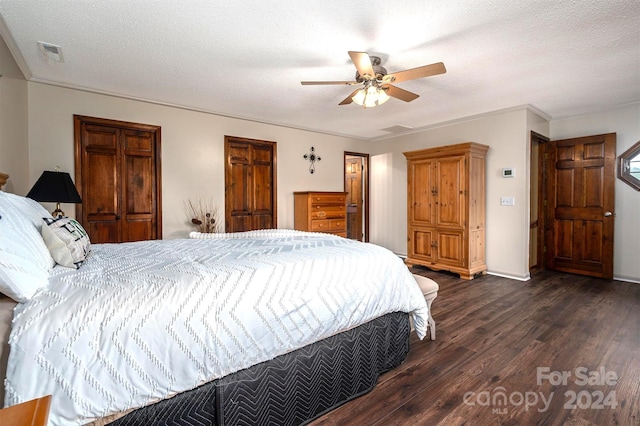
[(370, 97), (382, 96)]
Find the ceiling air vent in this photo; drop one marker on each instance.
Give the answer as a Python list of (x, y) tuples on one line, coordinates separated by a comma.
[(51, 51), (398, 128)]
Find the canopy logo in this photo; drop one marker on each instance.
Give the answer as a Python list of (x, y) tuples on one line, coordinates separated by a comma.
[(595, 399)]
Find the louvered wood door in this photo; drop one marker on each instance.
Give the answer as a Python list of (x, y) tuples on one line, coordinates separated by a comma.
[(118, 177), (250, 184)]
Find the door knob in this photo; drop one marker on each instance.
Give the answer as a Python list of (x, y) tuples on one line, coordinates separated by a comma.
[(607, 214)]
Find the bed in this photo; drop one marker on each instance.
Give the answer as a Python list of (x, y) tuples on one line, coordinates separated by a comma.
[(262, 327)]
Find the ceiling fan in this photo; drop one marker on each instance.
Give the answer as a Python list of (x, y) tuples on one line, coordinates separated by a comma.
[(376, 87)]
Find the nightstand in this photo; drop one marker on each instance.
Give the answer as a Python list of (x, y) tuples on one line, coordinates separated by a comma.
[(30, 413)]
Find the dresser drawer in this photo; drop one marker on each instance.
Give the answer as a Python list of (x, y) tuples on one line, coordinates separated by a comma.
[(329, 199), (337, 225), (327, 212), (320, 225), (328, 225)]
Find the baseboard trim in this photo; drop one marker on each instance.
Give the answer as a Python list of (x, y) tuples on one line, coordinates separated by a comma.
[(512, 277), (627, 279)]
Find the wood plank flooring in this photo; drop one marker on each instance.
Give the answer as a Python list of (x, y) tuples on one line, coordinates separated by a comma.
[(501, 351)]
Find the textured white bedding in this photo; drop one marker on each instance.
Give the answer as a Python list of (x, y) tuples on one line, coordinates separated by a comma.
[(139, 322)]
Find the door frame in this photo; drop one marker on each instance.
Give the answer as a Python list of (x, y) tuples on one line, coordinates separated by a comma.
[(365, 207), (541, 192)]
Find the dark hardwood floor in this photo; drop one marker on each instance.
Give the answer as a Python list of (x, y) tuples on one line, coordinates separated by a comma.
[(501, 351)]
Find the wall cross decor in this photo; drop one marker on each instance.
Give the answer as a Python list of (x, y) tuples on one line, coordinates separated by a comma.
[(312, 157)]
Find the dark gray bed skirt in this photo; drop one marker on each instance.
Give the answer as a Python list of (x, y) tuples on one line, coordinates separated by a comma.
[(291, 389)]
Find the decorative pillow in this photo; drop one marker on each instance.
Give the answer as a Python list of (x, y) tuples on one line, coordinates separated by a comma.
[(67, 241), (25, 261)]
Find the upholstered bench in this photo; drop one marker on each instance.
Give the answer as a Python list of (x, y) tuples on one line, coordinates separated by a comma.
[(430, 290)]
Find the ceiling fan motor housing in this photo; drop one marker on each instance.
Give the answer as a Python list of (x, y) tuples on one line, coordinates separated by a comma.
[(378, 69)]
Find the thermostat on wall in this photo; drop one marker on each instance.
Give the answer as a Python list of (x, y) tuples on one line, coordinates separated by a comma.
[(508, 172)]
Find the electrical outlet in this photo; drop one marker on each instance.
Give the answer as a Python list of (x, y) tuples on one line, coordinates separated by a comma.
[(507, 201)]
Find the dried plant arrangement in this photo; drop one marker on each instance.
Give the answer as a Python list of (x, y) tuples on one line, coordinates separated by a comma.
[(203, 214)]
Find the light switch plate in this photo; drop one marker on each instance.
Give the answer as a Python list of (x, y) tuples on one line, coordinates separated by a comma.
[(507, 201)]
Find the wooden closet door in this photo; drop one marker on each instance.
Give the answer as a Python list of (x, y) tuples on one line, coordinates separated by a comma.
[(250, 184), (118, 177), (138, 178), (99, 183)]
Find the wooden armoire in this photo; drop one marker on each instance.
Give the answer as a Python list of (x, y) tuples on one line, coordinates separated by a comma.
[(446, 208)]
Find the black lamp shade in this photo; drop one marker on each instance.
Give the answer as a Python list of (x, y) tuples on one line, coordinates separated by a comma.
[(55, 187)]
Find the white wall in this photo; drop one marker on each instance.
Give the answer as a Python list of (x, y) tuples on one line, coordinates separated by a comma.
[(625, 122), (192, 149), (508, 135), (14, 158), (505, 132)]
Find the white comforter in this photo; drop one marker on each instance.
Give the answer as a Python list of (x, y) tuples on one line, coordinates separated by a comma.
[(139, 322)]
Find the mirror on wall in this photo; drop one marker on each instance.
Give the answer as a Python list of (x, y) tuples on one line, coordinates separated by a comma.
[(629, 166)]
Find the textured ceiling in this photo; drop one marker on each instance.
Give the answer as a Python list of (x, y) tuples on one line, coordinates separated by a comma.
[(246, 59)]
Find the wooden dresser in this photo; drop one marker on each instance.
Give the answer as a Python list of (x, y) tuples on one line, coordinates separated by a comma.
[(321, 212), (446, 208)]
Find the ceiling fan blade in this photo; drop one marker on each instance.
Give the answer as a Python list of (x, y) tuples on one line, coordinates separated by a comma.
[(425, 71), (309, 83), (363, 64), (399, 93), (348, 99)]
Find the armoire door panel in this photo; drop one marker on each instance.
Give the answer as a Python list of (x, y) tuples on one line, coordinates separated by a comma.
[(450, 187), (422, 244), (450, 248), (422, 194)]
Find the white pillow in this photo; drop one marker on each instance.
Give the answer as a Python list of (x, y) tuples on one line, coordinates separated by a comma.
[(28, 208), (25, 261), (67, 241)]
